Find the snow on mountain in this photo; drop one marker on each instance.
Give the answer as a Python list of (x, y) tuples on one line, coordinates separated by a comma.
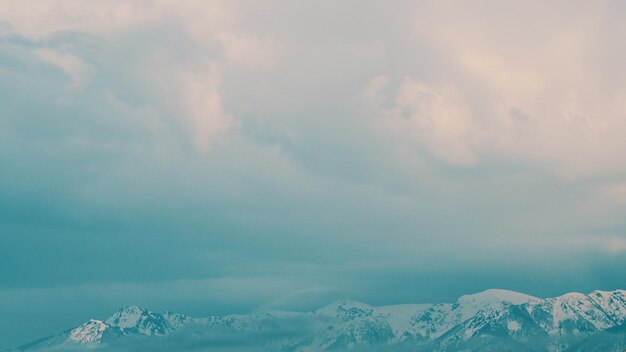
[(140, 321), (176, 320), (574, 313), (613, 303), (469, 305), (351, 323), (577, 311), (88, 333), (495, 296), (504, 322), (404, 319), (489, 320), (345, 309)]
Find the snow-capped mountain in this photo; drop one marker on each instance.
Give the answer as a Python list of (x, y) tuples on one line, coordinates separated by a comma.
[(493, 320)]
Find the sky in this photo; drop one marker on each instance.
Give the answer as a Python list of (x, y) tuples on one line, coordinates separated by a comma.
[(216, 157)]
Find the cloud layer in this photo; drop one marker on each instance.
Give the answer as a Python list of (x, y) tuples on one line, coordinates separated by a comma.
[(304, 151)]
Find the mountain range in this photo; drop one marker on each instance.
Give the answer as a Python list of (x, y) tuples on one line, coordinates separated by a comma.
[(493, 320)]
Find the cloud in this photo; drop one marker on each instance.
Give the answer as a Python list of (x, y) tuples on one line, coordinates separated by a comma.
[(70, 64), (609, 244), (114, 17), (431, 117), (202, 100), (547, 64), (250, 51)]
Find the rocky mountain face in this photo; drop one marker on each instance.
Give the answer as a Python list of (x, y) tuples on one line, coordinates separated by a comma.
[(493, 320)]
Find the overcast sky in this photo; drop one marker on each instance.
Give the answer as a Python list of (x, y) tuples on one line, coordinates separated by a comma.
[(213, 157)]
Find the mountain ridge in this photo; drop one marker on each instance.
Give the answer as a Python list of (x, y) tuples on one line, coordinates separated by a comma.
[(493, 318)]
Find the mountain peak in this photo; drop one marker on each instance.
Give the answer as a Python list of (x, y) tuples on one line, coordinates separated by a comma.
[(489, 300), (346, 303), (132, 309), (127, 317), (572, 296), (607, 294), (496, 296), (140, 320), (341, 307), (88, 333)]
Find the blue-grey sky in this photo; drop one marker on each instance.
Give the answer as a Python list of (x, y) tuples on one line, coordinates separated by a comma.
[(213, 157)]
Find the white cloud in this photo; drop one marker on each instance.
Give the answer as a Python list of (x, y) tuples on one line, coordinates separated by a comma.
[(250, 51), (203, 103), (39, 19), (521, 83), (433, 117), (76, 68), (190, 84)]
